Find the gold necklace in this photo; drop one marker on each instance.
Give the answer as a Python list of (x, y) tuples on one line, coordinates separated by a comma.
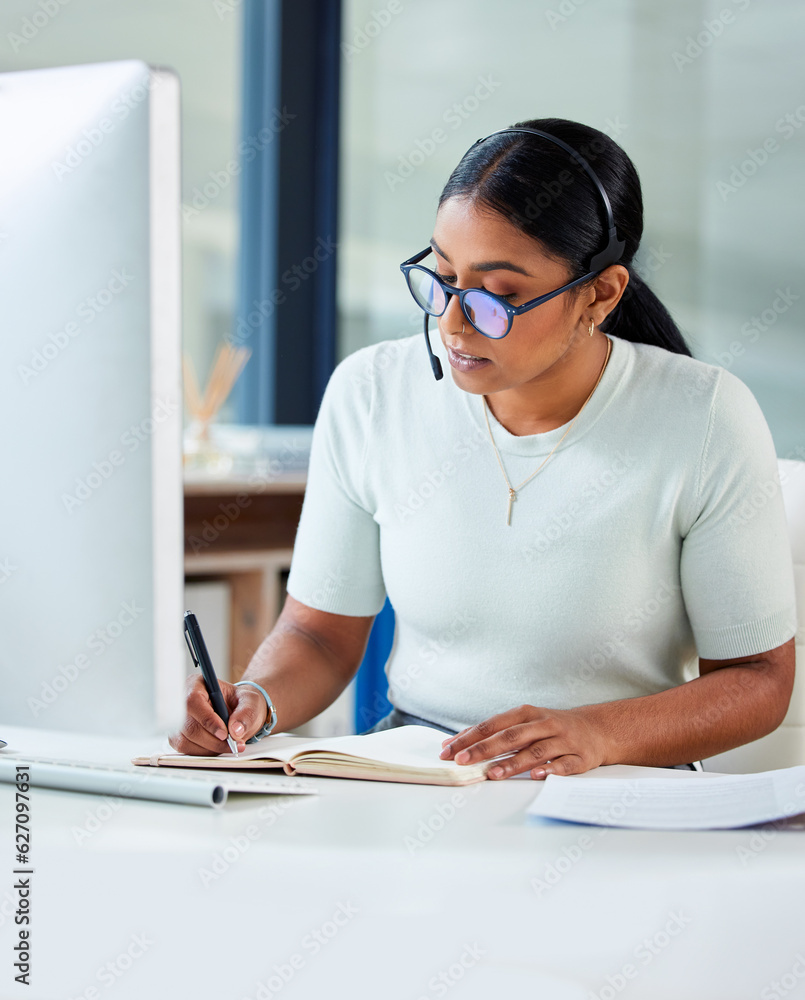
[(514, 490)]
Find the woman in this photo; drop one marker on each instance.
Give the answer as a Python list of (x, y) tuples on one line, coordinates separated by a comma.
[(562, 525)]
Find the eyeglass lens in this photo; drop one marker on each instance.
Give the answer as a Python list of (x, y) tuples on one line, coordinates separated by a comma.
[(428, 294), (485, 313)]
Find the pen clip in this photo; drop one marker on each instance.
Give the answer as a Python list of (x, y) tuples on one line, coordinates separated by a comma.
[(191, 647)]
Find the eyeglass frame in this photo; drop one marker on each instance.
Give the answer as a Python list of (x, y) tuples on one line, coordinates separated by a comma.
[(511, 311)]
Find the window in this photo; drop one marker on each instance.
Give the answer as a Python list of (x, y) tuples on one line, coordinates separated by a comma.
[(705, 98)]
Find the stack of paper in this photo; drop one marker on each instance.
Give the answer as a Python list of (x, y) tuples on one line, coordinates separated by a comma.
[(684, 801)]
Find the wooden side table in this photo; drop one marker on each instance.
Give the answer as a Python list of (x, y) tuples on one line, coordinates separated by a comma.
[(242, 531), (257, 595)]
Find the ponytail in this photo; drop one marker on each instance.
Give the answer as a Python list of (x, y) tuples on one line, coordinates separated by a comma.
[(539, 188), (641, 318)]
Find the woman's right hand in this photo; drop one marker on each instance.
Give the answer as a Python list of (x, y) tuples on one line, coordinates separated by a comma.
[(204, 733)]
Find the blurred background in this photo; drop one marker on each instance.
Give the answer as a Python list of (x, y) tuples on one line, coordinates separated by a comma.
[(708, 98), (317, 135)]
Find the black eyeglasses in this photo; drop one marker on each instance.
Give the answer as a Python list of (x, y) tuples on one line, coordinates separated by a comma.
[(488, 313)]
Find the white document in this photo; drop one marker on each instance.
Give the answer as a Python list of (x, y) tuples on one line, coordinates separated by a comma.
[(692, 802)]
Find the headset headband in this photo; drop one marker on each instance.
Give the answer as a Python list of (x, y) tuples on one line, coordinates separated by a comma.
[(613, 251)]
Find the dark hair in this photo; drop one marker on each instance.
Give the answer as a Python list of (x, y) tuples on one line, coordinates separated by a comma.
[(543, 191)]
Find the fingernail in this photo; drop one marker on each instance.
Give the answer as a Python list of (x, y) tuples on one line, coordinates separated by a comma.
[(445, 752), (496, 772), (538, 773), (221, 734), (237, 729), (462, 755)]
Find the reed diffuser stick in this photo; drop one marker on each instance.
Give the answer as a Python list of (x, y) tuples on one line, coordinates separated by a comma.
[(227, 365)]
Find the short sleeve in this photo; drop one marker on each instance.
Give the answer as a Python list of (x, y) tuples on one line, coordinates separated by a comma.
[(736, 565), (336, 559)]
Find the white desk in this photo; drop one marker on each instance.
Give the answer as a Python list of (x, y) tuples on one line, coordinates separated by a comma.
[(664, 916)]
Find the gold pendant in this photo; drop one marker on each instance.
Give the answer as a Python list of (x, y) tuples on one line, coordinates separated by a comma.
[(512, 498)]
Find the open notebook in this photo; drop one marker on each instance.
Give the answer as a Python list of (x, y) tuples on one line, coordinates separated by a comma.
[(407, 753)]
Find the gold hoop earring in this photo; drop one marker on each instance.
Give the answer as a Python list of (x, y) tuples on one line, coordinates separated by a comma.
[(592, 327)]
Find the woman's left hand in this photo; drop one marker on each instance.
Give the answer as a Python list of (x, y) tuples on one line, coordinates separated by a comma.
[(544, 741)]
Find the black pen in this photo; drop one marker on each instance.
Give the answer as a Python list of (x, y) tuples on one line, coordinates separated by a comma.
[(201, 658)]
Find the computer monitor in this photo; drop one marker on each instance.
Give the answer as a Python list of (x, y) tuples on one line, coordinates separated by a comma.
[(91, 529)]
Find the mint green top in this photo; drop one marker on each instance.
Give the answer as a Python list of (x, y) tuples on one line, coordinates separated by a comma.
[(655, 533)]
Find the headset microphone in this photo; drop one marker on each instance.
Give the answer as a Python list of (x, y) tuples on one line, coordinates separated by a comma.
[(435, 363)]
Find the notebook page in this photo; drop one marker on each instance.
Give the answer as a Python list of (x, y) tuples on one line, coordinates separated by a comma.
[(413, 746), (405, 746)]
